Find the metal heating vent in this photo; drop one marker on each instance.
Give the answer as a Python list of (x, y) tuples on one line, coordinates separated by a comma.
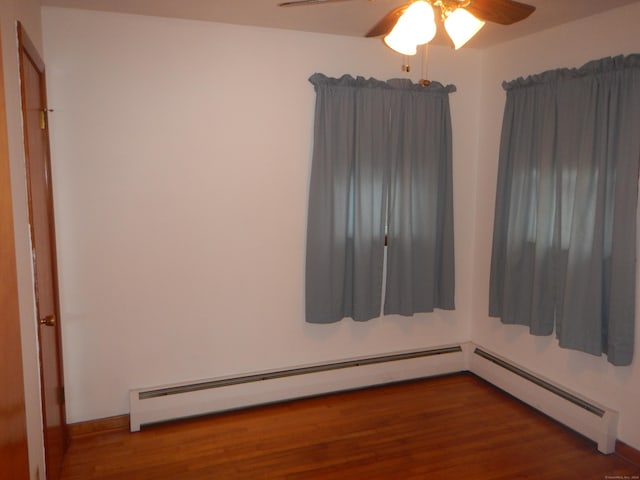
[(542, 383), (170, 402), (587, 417), (161, 392)]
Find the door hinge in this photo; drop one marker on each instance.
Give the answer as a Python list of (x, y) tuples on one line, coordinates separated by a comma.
[(61, 396), (43, 119)]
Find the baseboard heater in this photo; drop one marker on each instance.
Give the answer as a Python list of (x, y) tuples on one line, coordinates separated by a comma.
[(588, 418), (177, 401)]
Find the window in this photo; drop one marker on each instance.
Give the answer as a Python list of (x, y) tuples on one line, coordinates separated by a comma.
[(564, 242), (381, 164)]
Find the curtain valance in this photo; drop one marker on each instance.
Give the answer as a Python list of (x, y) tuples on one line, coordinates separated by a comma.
[(318, 79), (592, 69)]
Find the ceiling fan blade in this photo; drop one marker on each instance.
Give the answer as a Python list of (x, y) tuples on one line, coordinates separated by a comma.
[(387, 23), (298, 3), (503, 12)]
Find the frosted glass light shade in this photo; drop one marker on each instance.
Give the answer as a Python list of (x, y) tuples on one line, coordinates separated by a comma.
[(419, 21), (462, 26), (415, 27), (401, 44)]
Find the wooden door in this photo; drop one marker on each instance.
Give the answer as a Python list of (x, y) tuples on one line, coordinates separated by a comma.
[(14, 460), (34, 109)]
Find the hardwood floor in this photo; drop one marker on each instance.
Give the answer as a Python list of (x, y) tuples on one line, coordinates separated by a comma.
[(454, 427)]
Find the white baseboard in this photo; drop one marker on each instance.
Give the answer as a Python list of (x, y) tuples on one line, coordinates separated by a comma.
[(585, 416), (170, 402)]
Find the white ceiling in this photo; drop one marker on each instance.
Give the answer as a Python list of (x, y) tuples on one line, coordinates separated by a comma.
[(352, 18)]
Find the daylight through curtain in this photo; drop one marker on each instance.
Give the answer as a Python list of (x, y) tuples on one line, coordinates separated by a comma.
[(381, 155), (564, 244)]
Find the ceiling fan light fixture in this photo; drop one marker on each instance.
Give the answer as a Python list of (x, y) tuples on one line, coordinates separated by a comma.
[(461, 26), (401, 44), (415, 27)]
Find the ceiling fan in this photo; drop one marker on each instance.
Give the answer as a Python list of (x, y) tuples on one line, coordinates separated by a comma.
[(413, 24)]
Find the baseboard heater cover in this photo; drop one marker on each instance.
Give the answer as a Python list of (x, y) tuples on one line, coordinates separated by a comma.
[(586, 417), (172, 402)]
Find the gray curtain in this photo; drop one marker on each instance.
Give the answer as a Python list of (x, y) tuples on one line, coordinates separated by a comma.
[(381, 155), (564, 242)]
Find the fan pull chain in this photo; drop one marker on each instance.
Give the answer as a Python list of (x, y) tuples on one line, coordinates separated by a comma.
[(406, 67), (424, 81)]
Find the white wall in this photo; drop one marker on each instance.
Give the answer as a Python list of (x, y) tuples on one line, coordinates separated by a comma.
[(181, 157), (571, 45), (181, 154), (28, 13)]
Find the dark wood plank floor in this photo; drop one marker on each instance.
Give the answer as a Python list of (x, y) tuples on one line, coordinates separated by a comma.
[(454, 427)]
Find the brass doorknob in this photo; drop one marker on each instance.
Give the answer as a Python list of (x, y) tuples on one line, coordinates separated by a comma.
[(49, 321)]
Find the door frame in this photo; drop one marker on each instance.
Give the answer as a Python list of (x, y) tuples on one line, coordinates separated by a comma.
[(26, 47), (14, 452)]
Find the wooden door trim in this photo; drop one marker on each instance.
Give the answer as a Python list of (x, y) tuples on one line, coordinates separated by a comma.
[(30, 49), (25, 44), (14, 454), (28, 52)]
